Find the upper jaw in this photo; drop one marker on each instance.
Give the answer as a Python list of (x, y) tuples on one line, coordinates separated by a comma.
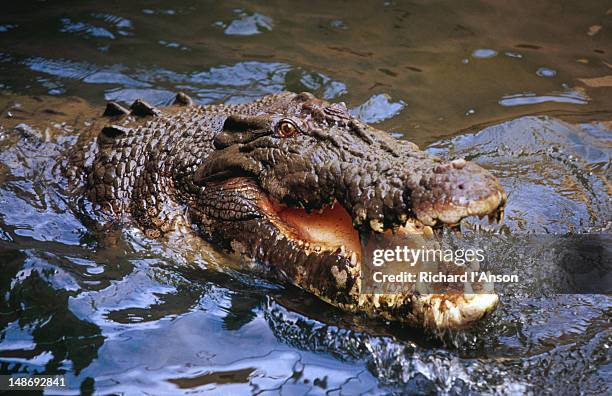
[(442, 195), (438, 194)]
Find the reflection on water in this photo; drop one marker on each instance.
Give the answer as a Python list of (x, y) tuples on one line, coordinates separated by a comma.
[(241, 82), (378, 108), (575, 97), (246, 25), (440, 60), (129, 314)]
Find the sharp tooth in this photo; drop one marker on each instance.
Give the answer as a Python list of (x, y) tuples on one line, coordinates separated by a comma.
[(376, 225), (428, 231), (362, 213), (353, 258), (317, 249)]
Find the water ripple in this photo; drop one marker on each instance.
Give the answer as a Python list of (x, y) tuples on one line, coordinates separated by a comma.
[(378, 108), (247, 24), (68, 26), (7, 27), (121, 26), (484, 53), (236, 83), (530, 98)]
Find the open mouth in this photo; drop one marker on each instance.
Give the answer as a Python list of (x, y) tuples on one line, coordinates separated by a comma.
[(331, 229), (331, 235), (327, 230)]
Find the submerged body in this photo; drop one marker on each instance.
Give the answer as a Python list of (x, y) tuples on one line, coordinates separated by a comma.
[(292, 182)]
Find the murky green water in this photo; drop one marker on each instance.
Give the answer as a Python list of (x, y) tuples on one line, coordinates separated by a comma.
[(138, 315)]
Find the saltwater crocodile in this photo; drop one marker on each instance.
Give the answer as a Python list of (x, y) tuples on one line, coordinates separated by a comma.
[(291, 182)]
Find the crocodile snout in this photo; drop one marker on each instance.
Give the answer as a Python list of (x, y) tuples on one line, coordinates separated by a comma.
[(454, 190)]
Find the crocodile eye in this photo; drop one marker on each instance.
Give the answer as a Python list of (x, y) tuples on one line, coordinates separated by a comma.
[(286, 128)]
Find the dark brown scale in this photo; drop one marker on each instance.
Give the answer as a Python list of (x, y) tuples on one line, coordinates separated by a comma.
[(114, 109), (142, 109), (183, 100)]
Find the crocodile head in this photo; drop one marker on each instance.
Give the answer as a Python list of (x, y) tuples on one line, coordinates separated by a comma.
[(296, 182)]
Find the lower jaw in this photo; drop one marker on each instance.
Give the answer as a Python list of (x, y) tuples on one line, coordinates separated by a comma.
[(336, 280)]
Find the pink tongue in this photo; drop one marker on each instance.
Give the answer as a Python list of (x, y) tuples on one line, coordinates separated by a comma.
[(330, 229)]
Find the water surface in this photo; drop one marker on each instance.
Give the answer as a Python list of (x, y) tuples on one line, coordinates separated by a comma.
[(135, 315)]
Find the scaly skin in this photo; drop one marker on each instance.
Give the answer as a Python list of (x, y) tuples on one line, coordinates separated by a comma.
[(240, 173)]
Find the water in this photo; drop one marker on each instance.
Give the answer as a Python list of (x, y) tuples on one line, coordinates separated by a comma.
[(133, 315)]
